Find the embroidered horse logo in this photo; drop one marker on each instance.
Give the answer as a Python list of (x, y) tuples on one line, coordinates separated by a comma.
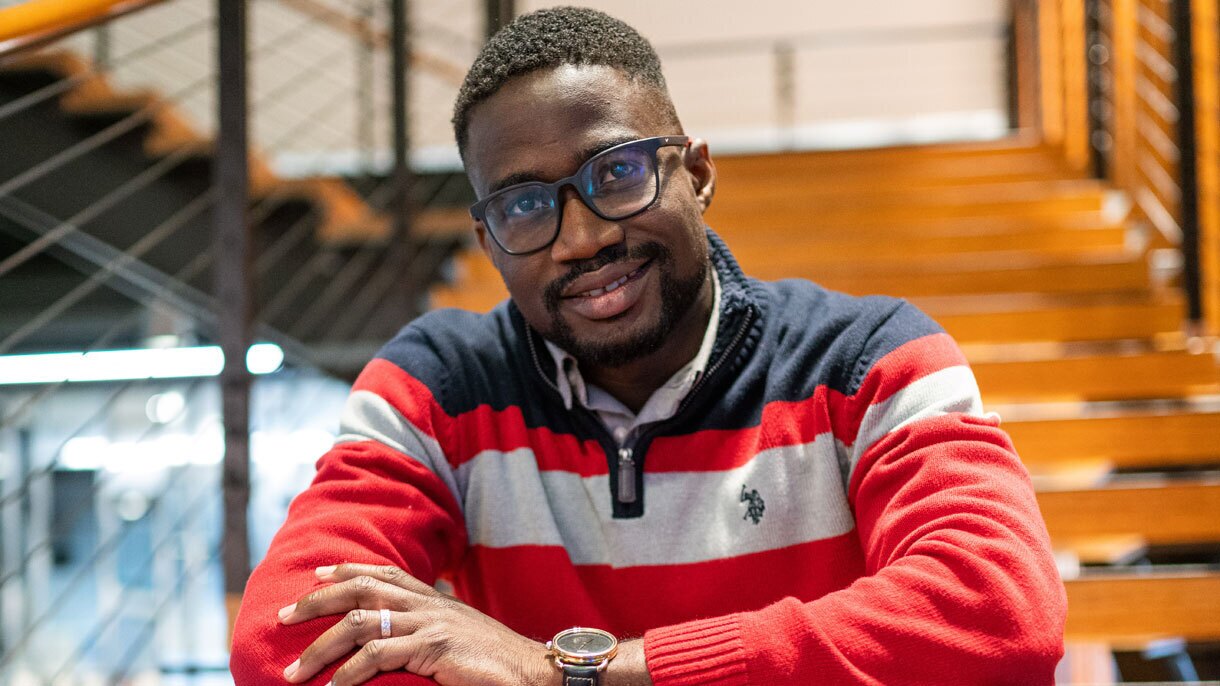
[(756, 507)]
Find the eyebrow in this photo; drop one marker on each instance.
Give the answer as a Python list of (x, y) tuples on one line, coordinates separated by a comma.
[(585, 154)]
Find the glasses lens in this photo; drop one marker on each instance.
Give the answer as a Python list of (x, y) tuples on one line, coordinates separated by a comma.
[(620, 182), (522, 219)]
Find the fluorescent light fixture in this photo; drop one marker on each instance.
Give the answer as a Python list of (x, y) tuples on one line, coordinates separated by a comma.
[(124, 365)]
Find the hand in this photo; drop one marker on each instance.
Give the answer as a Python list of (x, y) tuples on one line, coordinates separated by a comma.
[(431, 634)]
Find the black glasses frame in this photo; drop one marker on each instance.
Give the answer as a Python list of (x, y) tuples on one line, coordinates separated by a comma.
[(652, 145)]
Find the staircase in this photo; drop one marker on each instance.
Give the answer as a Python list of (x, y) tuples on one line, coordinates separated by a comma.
[(1044, 278), (146, 190)]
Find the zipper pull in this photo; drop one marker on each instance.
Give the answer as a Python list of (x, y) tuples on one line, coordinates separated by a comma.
[(626, 476)]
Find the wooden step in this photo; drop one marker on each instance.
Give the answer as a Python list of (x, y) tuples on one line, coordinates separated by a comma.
[(1129, 439), (866, 198), (829, 213), (975, 274), (918, 228), (824, 247), (962, 160), (1158, 512), (1113, 376), (1025, 317), (1134, 608)]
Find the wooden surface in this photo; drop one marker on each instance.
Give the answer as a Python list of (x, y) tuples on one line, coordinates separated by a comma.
[(1207, 102), (1135, 609), (1172, 374), (1152, 439), (1158, 512)]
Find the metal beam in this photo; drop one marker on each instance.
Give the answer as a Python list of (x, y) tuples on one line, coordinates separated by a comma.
[(497, 13), (233, 286), (1188, 174)]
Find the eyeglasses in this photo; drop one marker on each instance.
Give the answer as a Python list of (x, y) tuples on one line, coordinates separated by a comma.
[(615, 184)]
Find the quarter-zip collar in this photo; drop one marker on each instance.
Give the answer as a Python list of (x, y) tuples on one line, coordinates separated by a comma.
[(742, 310)]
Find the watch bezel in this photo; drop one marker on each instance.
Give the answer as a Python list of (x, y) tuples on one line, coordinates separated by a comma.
[(599, 658)]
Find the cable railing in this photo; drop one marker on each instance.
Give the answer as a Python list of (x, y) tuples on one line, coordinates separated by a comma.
[(76, 603), (798, 84)]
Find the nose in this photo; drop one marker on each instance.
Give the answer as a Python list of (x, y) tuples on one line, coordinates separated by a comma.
[(582, 234)]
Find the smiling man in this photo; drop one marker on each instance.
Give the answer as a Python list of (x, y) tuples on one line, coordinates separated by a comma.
[(681, 474)]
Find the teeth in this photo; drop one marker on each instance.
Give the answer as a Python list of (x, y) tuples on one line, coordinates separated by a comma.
[(610, 287)]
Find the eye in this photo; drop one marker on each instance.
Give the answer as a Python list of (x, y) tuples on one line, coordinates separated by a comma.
[(619, 173), (525, 203)]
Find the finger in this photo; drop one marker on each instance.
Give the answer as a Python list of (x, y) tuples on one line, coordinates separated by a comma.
[(387, 573), (381, 655), (357, 628), (363, 592)]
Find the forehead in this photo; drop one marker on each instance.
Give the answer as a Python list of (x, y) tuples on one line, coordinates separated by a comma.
[(543, 124)]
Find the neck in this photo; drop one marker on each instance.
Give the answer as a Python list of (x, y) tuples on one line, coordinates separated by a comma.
[(633, 383)]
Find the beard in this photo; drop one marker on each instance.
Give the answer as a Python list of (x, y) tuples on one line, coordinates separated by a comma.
[(678, 295)]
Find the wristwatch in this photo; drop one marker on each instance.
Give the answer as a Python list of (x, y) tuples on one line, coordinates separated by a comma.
[(582, 654)]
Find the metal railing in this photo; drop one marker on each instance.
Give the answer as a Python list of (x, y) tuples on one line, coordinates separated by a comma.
[(110, 512), (1141, 119)]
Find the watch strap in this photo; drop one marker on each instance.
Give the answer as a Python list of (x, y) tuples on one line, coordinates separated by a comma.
[(580, 675)]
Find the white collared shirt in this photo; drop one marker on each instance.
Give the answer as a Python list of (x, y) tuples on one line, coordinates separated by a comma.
[(661, 405)]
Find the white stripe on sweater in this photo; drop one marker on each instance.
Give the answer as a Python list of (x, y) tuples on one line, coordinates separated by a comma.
[(368, 416), (689, 516), (949, 390)]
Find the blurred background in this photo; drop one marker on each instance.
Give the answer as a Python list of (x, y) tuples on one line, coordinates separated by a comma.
[(212, 213)]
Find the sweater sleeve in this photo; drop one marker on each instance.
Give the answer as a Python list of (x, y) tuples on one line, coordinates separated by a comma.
[(960, 584), (383, 494)]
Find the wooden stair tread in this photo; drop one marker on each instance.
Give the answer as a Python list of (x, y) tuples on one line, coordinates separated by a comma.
[(1129, 439), (922, 280), (1160, 513), (1138, 317), (825, 246), (869, 197), (1099, 377), (1144, 607), (912, 228)]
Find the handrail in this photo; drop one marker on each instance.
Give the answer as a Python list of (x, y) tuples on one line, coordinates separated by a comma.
[(36, 22), (373, 37)]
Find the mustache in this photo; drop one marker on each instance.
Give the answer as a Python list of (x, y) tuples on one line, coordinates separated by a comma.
[(608, 255)]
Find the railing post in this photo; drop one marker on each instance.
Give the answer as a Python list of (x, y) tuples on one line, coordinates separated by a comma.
[(366, 113), (233, 290), (785, 94), (497, 13), (1099, 109), (1188, 160), (400, 50)]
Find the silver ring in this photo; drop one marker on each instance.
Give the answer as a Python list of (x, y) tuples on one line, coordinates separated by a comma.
[(385, 623)]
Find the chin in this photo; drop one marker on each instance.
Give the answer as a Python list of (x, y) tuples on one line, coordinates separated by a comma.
[(615, 347)]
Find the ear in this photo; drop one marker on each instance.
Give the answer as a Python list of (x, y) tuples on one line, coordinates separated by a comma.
[(480, 233), (698, 162)]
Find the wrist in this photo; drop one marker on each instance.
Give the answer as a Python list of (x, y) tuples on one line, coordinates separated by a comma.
[(628, 668)]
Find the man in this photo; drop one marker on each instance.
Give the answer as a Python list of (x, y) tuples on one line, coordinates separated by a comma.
[(769, 483)]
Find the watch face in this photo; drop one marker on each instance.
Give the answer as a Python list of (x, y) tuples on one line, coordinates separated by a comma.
[(585, 644)]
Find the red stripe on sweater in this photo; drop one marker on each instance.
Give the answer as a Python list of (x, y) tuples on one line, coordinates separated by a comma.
[(895, 371), (511, 585), (405, 393), (788, 422)]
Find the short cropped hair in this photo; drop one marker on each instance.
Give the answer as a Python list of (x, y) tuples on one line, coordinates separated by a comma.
[(548, 38)]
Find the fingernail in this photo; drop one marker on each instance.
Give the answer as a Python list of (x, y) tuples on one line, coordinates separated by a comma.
[(325, 571), (287, 610), (291, 669)]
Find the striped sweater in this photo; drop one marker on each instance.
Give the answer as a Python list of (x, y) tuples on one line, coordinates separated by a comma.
[(829, 505)]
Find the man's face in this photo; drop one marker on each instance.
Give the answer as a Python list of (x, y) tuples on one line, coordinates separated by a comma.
[(541, 127)]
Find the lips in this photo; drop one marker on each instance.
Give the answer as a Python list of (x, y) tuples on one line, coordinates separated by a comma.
[(612, 286), (598, 299)]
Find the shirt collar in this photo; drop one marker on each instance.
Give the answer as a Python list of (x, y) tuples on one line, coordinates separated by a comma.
[(572, 386)]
